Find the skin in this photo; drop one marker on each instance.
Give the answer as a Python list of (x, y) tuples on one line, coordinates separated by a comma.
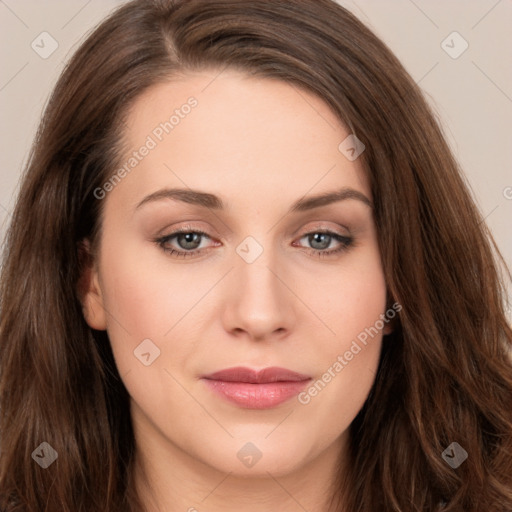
[(259, 145)]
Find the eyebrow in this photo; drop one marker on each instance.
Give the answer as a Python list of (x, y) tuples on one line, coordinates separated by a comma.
[(211, 201)]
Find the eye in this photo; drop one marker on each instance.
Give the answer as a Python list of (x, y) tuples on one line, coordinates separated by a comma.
[(321, 242), (183, 243), (187, 242)]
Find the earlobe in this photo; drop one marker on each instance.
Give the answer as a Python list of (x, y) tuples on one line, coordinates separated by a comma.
[(388, 329), (89, 289)]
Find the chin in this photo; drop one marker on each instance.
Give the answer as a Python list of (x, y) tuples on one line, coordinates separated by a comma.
[(257, 456)]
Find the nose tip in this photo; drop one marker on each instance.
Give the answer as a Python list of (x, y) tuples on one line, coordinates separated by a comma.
[(258, 302)]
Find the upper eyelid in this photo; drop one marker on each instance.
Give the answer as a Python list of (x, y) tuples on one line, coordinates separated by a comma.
[(205, 233), (192, 229)]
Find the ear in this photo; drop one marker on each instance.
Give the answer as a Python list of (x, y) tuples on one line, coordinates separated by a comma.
[(388, 329), (89, 289)]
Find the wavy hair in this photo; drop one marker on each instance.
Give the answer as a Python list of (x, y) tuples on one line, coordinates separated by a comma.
[(445, 373)]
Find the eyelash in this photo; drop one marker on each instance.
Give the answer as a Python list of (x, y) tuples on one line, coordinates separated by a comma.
[(345, 243)]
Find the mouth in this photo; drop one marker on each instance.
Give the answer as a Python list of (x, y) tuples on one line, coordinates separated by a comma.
[(253, 389)]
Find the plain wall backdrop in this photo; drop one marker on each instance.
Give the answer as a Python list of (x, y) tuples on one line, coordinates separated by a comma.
[(459, 51)]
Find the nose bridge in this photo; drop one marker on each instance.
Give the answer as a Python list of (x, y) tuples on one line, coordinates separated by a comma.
[(259, 301), (255, 269)]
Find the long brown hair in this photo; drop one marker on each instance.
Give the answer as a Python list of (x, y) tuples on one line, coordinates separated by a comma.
[(445, 372)]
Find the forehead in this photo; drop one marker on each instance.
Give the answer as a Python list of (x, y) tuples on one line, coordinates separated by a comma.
[(235, 135)]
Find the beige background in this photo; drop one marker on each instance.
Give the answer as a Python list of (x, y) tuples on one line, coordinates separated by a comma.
[(472, 94)]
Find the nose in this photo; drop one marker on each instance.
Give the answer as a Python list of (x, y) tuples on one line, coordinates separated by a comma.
[(260, 303)]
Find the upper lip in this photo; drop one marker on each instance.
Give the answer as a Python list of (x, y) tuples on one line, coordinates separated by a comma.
[(265, 375)]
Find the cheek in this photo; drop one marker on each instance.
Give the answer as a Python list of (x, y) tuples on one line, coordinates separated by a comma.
[(348, 299), (351, 303), (147, 297), (140, 294)]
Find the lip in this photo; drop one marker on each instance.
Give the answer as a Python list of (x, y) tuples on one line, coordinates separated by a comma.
[(256, 389)]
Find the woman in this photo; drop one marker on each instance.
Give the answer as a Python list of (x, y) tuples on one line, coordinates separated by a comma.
[(244, 272)]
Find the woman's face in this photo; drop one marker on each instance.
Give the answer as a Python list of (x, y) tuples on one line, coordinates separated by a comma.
[(279, 279)]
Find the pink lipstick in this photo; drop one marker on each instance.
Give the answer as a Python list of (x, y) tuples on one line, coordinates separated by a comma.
[(252, 389)]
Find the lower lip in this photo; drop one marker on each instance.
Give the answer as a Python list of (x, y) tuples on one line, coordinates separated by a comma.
[(257, 396)]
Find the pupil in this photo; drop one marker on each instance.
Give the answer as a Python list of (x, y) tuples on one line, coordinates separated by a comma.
[(189, 240), (323, 239)]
